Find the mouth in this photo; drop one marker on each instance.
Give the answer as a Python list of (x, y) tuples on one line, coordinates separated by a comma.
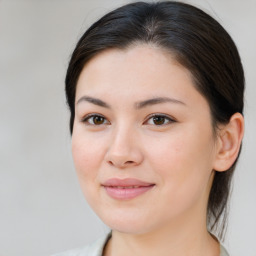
[(125, 189)]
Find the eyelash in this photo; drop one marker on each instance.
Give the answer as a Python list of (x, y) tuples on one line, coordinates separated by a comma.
[(167, 119), (92, 116)]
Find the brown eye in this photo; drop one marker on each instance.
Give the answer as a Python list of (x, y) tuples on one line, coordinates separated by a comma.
[(95, 120), (159, 120)]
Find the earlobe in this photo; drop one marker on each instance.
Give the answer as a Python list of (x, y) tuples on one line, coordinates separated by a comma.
[(229, 142)]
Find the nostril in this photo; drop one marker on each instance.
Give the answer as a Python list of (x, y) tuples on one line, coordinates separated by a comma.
[(110, 162), (129, 162), (120, 164)]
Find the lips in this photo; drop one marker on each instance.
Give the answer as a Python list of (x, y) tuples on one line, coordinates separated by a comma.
[(124, 189)]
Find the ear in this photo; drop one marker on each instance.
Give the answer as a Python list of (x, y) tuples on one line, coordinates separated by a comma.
[(229, 142)]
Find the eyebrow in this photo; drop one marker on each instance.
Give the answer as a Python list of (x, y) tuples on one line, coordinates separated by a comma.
[(138, 105), (155, 101), (94, 101)]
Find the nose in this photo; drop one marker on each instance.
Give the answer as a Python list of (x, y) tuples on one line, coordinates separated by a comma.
[(124, 150)]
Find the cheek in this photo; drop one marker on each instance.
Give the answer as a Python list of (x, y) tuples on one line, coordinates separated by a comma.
[(86, 157), (187, 150), (171, 159), (184, 164)]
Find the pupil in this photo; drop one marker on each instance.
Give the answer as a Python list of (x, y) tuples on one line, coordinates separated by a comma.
[(98, 120), (158, 120)]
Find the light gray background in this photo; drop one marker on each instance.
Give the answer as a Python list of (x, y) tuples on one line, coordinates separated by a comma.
[(41, 207)]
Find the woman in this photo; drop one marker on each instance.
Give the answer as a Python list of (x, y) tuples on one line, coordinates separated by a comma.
[(155, 92)]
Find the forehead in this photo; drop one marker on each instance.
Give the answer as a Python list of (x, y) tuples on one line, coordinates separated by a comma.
[(142, 55), (139, 67)]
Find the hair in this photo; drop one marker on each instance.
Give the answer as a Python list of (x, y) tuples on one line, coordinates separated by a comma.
[(199, 43)]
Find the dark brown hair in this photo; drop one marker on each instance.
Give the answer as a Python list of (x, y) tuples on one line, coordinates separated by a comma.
[(198, 42)]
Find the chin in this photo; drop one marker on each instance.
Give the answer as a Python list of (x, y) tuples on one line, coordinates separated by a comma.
[(127, 222)]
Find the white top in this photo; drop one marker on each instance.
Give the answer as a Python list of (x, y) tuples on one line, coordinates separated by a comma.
[(96, 249)]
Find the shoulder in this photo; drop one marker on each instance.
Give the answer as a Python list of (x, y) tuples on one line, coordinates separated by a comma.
[(93, 249)]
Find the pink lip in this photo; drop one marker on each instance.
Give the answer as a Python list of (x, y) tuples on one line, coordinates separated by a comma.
[(124, 189)]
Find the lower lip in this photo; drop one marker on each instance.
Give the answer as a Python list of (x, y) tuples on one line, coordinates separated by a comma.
[(126, 193)]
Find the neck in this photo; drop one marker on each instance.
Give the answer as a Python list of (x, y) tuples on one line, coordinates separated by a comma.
[(176, 239)]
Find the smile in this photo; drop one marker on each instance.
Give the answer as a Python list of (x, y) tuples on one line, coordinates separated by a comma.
[(126, 189)]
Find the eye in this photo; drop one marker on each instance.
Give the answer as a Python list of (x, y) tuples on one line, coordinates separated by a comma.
[(94, 119), (159, 120)]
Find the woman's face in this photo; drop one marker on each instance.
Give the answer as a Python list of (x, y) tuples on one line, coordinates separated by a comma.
[(142, 143)]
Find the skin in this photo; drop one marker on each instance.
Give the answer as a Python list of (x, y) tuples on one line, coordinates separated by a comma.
[(178, 155)]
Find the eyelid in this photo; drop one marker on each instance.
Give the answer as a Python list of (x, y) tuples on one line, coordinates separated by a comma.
[(168, 117), (88, 116)]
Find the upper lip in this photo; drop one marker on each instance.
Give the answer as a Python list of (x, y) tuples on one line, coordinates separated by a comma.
[(115, 182)]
